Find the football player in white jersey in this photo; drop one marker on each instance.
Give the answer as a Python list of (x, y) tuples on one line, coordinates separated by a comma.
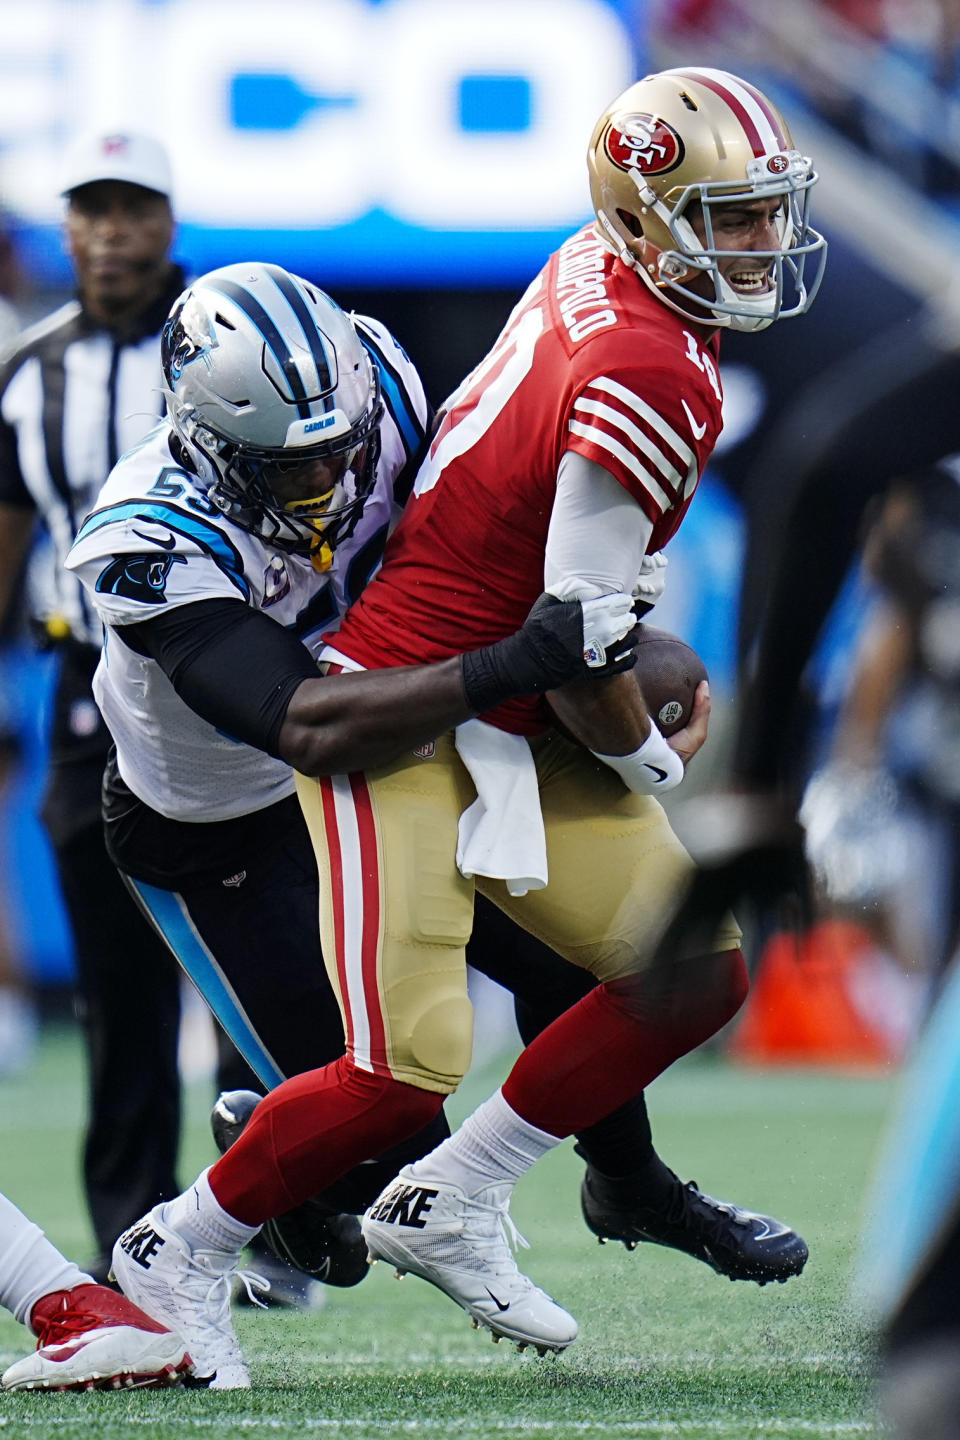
[(184, 565), (220, 549)]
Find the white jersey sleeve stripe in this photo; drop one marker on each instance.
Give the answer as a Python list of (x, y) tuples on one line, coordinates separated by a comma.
[(626, 458), (641, 441), (647, 413)]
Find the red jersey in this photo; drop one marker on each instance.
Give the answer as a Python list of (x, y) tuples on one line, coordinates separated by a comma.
[(591, 361)]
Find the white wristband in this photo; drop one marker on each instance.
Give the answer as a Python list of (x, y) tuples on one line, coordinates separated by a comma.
[(650, 770)]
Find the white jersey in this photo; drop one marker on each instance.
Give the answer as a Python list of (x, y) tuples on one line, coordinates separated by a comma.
[(155, 541)]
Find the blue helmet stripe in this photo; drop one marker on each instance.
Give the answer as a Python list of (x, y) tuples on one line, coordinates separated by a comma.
[(398, 401), (207, 537), (255, 312), (308, 325)]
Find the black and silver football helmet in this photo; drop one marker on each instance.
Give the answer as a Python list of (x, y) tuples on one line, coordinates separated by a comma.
[(269, 380)]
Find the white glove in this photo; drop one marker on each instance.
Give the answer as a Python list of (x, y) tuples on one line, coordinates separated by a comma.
[(605, 620), (651, 581)]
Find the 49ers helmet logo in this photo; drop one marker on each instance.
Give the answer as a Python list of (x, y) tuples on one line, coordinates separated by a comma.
[(644, 143)]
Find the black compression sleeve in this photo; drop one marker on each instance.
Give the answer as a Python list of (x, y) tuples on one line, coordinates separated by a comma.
[(232, 665)]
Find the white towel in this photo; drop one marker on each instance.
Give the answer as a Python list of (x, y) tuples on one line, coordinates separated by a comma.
[(501, 834)]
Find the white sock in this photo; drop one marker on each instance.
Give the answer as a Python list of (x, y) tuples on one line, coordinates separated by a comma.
[(30, 1266), (493, 1145), (199, 1217)]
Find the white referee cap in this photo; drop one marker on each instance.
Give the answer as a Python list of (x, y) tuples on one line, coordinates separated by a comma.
[(117, 155)]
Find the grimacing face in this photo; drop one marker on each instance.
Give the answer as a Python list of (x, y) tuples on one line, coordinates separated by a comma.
[(119, 237), (748, 225)]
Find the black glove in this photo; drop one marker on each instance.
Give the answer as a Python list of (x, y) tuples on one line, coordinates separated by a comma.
[(546, 652)]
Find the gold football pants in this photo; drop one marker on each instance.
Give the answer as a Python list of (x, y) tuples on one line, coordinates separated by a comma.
[(396, 914)]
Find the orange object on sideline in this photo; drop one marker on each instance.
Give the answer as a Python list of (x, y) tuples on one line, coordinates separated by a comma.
[(802, 1008)]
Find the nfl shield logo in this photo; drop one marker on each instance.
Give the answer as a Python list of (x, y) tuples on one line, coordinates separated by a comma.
[(427, 751)]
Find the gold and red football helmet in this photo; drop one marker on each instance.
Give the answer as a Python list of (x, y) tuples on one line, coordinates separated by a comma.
[(694, 136)]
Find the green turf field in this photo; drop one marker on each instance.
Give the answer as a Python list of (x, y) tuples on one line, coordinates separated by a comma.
[(666, 1347)]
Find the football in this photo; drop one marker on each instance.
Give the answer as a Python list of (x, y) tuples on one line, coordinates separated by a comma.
[(669, 672)]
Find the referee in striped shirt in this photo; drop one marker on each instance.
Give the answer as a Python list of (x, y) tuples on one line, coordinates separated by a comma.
[(79, 389)]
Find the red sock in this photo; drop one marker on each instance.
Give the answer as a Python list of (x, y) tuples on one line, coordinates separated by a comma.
[(310, 1130), (611, 1044)]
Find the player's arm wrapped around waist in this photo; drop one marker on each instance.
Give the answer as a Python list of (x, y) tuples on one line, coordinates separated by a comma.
[(359, 721)]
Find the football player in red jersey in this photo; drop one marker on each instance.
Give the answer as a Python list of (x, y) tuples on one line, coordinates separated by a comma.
[(566, 460)]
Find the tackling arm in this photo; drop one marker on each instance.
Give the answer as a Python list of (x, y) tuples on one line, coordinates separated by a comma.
[(255, 681)]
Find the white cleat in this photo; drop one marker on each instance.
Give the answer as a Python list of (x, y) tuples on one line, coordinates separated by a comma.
[(155, 1266), (430, 1228), (91, 1338)]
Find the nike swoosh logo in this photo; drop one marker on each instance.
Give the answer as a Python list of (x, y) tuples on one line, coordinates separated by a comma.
[(698, 430), (499, 1303), (660, 774), (167, 544)]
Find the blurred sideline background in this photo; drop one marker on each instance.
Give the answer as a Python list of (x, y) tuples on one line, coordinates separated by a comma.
[(420, 159)]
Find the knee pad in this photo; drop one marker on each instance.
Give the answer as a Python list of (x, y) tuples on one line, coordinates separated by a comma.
[(440, 1041)]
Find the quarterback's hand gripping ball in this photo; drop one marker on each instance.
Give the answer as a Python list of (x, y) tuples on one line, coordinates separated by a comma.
[(668, 672)]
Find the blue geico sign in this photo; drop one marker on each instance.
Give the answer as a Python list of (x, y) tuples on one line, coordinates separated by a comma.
[(409, 140)]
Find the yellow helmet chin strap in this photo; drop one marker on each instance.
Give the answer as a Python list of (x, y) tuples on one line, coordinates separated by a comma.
[(321, 556)]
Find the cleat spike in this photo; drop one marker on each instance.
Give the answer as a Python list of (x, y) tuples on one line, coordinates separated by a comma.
[(521, 1346), (630, 1244), (399, 1274), (474, 1322), (601, 1239), (495, 1337), (542, 1350)]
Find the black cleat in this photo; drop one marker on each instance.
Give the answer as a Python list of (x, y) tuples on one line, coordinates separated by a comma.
[(314, 1238), (328, 1246), (736, 1243)]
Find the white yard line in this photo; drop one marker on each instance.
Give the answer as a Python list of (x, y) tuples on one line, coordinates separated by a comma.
[(740, 1429)]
